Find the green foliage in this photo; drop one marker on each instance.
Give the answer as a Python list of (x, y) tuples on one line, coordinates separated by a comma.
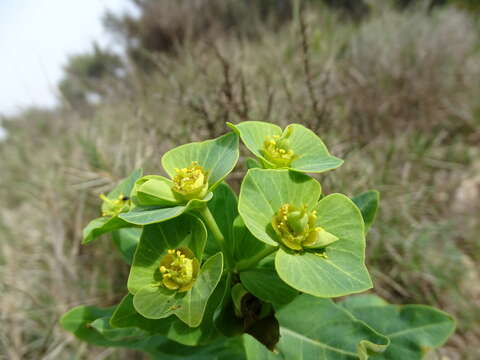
[(335, 270), (310, 329), (110, 223), (412, 329), (155, 196), (90, 324), (309, 152), (388, 119), (207, 269), (126, 240), (184, 231), (368, 202), (218, 157)]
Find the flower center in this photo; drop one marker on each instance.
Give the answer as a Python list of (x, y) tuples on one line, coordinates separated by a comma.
[(191, 182), (179, 269), (276, 149), (296, 228), (113, 207)]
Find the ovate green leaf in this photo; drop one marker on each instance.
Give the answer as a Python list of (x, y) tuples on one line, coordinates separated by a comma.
[(341, 269), (368, 202), (155, 302), (102, 225), (313, 328), (263, 192), (311, 154), (148, 215), (102, 325), (88, 323), (126, 240), (218, 157), (156, 240), (245, 245), (265, 284), (412, 329)]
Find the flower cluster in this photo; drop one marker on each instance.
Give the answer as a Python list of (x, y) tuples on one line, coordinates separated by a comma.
[(190, 182), (276, 149), (208, 264), (113, 207), (296, 228), (179, 269)]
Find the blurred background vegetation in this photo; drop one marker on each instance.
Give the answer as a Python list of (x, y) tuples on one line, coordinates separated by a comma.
[(391, 86)]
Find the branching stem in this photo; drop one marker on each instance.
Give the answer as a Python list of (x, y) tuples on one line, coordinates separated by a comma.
[(251, 262), (217, 233)]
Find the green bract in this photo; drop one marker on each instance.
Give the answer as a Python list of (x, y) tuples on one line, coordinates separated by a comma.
[(296, 148), (338, 268), (116, 202), (165, 278), (214, 276), (125, 316), (195, 169)]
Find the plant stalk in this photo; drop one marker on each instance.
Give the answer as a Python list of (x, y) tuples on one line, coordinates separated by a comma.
[(251, 262), (216, 232)]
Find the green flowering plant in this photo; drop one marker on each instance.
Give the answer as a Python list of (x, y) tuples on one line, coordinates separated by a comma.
[(114, 203), (195, 170), (214, 275), (295, 148)]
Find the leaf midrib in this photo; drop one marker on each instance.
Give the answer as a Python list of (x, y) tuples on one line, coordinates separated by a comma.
[(418, 328), (316, 342)]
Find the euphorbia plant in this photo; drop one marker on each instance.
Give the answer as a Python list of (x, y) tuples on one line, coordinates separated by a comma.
[(216, 277)]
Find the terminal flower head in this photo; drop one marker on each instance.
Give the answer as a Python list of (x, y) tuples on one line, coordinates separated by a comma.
[(179, 269), (113, 207), (276, 149), (297, 230), (191, 182)]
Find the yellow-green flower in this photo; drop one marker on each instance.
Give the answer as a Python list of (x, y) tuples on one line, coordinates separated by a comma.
[(190, 182), (179, 269), (296, 228), (276, 149), (113, 207)]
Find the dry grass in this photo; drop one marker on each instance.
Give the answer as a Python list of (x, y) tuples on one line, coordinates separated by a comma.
[(395, 97)]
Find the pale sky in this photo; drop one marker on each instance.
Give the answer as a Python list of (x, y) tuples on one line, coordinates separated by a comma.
[(36, 37)]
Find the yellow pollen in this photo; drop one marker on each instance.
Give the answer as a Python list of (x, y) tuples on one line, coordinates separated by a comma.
[(276, 149), (190, 182), (113, 207), (179, 269)]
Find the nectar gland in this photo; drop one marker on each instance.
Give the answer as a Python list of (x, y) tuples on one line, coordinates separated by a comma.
[(191, 182), (276, 149), (179, 269), (297, 230)]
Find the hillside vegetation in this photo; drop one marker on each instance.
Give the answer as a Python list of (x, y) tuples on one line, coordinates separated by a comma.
[(396, 95)]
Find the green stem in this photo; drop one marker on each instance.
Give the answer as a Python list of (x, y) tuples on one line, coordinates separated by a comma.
[(216, 232), (251, 262)]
